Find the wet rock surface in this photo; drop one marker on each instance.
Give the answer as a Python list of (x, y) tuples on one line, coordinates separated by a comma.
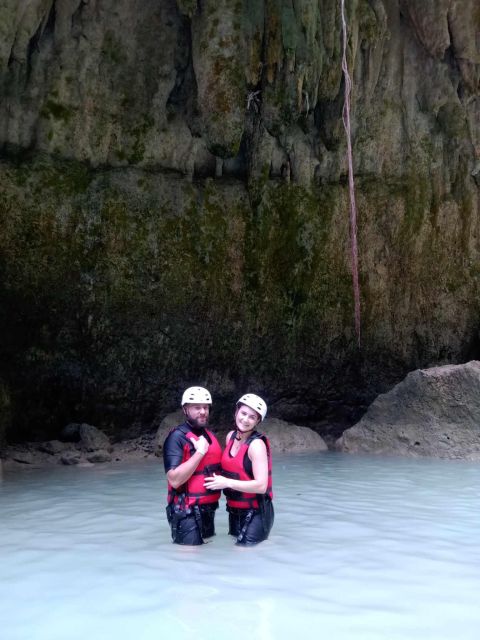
[(95, 448), (283, 436), (432, 412)]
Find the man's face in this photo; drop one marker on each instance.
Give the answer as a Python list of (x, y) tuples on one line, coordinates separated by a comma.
[(197, 414)]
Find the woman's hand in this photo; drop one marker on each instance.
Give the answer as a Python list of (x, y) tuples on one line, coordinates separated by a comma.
[(216, 482)]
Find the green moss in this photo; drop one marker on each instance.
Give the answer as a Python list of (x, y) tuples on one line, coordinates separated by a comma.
[(293, 262), (73, 178), (213, 27), (122, 281), (187, 7), (417, 194), (137, 135), (369, 29), (290, 29), (56, 111), (452, 121), (113, 49), (121, 154), (227, 83)]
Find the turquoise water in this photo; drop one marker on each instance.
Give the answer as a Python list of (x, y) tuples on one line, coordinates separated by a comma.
[(362, 548)]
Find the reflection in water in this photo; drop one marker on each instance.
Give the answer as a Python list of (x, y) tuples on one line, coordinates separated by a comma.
[(361, 548)]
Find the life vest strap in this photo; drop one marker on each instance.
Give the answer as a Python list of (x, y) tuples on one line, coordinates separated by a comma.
[(208, 470)]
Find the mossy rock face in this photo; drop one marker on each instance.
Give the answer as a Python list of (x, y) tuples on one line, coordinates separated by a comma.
[(120, 288), (179, 86), (219, 63), (174, 202), (133, 279), (188, 7)]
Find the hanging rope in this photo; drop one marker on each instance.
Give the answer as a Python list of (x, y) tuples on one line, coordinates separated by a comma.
[(351, 183)]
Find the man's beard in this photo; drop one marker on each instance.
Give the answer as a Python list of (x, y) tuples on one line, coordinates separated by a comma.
[(195, 424)]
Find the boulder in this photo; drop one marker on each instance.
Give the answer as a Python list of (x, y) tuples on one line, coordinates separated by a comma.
[(283, 436), (22, 456), (99, 456), (288, 437), (70, 458), (92, 439), (52, 447), (71, 432), (170, 421), (432, 412)]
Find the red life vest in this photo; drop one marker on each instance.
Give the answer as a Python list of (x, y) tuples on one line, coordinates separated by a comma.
[(194, 491), (234, 467)]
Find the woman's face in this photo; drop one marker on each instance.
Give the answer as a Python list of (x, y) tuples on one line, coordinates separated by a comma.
[(246, 419)]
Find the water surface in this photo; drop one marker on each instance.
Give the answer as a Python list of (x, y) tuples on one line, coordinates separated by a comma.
[(362, 548)]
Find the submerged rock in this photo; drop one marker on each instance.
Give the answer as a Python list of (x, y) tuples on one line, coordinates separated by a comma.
[(432, 412)]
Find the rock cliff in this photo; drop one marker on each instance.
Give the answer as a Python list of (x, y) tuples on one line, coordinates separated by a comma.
[(174, 207)]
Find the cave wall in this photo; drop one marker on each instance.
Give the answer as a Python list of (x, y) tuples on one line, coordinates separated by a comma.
[(174, 203)]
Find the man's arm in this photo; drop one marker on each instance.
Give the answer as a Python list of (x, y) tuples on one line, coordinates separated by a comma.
[(178, 475)]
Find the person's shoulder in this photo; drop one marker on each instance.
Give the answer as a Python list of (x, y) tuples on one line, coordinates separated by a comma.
[(181, 428), (258, 435), (258, 442), (177, 433)]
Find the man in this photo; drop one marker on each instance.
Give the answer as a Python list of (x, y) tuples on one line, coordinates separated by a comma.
[(190, 453)]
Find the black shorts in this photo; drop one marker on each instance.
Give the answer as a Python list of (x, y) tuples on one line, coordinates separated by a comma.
[(193, 525), (251, 526)]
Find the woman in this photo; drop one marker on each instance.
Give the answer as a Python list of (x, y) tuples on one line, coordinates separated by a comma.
[(246, 474)]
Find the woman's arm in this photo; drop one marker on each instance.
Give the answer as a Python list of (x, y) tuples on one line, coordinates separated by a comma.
[(257, 452)]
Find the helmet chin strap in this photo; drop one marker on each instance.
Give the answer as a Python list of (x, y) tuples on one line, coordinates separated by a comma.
[(238, 437)]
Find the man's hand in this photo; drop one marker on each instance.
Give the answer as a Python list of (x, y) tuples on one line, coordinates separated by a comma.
[(179, 475), (201, 445)]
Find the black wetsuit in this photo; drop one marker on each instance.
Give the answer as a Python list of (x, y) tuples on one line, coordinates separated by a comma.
[(190, 523), (252, 521)]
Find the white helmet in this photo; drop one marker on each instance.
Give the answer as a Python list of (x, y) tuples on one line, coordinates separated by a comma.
[(255, 403), (196, 395)]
